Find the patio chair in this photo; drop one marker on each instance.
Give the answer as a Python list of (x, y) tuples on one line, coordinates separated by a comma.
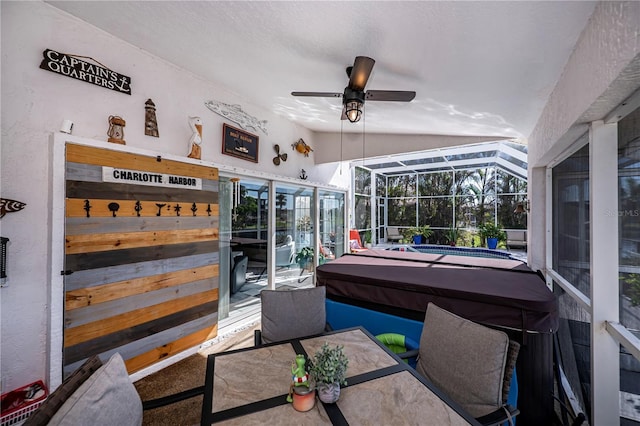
[(286, 253), (516, 238), (239, 273), (393, 234), (287, 314), (471, 363), (355, 245)]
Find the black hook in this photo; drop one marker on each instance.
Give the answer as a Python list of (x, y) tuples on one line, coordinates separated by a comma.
[(114, 207)]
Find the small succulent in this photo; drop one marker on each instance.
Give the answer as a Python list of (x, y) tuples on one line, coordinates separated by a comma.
[(329, 365)]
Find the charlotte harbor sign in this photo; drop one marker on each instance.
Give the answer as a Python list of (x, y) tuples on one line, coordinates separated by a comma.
[(71, 66)]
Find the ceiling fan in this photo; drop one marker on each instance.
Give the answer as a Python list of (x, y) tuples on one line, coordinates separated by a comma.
[(354, 95)]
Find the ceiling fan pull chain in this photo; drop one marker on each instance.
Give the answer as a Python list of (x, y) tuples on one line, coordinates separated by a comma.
[(364, 132), (341, 126)]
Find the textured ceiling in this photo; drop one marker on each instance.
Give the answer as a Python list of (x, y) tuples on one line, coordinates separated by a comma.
[(479, 68)]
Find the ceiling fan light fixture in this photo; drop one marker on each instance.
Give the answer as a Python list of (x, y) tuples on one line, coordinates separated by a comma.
[(353, 110)]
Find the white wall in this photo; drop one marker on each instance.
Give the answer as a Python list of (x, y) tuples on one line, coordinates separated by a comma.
[(598, 76), (34, 104)]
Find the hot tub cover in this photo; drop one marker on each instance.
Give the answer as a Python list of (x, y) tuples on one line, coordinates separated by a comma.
[(499, 292)]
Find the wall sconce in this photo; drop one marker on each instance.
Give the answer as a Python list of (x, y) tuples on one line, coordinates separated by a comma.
[(3, 260)]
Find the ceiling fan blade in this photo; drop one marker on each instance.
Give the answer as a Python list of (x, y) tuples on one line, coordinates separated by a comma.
[(390, 95), (360, 73), (318, 94)]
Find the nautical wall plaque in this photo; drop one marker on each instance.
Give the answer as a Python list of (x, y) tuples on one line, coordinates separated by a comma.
[(71, 66), (239, 143), (140, 177), (237, 115)]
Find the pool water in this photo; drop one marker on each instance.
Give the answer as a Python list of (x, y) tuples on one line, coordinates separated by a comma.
[(457, 251)]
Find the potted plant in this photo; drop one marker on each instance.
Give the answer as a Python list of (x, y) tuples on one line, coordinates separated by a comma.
[(418, 234), (304, 256), (492, 234), (328, 369), (367, 239), (452, 236)]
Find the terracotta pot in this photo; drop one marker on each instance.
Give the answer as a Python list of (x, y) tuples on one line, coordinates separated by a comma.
[(328, 392)]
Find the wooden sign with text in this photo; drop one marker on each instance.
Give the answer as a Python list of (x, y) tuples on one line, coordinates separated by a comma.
[(71, 66), (239, 143)]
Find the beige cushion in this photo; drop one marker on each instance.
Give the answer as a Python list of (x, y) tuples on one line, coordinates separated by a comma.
[(464, 359), (43, 414), (106, 398), (292, 313)]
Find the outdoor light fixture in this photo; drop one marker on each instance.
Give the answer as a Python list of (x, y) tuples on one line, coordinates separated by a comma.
[(353, 110), (521, 208), (353, 103)]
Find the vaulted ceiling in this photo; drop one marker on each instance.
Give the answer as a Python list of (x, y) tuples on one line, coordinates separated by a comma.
[(479, 68)]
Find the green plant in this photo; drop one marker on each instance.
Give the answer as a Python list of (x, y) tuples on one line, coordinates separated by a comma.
[(304, 256), (452, 235), (409, 233), (329, 365), (489, 230), (367, 237), (633, 281)]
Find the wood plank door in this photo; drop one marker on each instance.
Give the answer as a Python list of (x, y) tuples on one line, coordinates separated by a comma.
[(141, 256)]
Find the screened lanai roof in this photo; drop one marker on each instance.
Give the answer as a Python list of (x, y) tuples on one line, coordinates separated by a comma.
[(509, 156)]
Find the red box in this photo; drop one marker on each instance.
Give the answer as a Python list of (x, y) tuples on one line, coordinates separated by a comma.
[(16, 408)]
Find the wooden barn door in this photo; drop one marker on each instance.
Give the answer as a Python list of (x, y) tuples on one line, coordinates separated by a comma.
[(141, 256)]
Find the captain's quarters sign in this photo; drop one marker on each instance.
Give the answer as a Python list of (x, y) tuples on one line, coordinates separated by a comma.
[(71, 66), (138, 177)]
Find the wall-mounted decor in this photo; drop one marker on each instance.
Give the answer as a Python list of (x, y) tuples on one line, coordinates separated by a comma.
[(196, 138), (237, 115), (302, 147), (279, 157), (72, 66), (141, 274), (3, 261), (303, 175), (239, 144), (116, 129), (10, 206), (150, 121)]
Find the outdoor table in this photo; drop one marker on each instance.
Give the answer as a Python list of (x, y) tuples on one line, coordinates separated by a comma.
[(250, 386)]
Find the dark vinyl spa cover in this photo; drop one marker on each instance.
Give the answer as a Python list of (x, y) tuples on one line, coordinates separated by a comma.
[(499, 292)]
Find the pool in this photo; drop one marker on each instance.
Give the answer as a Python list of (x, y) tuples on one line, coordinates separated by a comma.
[(457, 251)]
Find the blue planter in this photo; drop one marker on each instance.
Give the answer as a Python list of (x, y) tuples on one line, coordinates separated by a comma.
[(492, 243), (417, 239)]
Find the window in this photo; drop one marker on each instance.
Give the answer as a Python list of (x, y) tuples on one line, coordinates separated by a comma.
[(629, 222)]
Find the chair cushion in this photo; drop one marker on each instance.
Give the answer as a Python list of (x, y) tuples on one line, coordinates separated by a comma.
[(106, 398), (42, 415), (464, 359), (292, 313)]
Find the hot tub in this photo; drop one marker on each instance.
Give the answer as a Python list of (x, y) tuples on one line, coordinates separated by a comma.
[(501, 293)]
